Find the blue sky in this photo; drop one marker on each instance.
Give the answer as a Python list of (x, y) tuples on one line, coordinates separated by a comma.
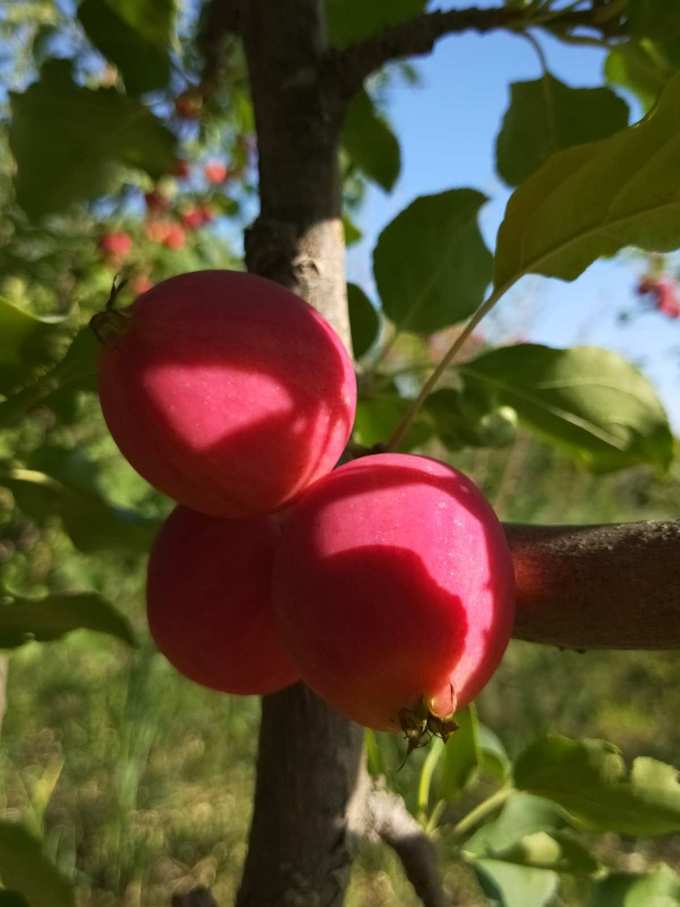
[(447, 129)]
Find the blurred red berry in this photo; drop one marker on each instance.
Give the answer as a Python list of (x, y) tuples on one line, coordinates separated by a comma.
[(207, 213), (157, 230), (175, 238), (156, 201), (196, 217), (189, 104), (192, 219), (215, 172), (115, 246), (667, 301), (181, 169)]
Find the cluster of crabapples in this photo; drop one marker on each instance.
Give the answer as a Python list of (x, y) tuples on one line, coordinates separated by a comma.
[(663, 292), (385, 584)]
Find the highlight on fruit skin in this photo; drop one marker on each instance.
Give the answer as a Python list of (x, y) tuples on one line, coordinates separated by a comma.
[(393, 585), (226, 391), (209, 602)]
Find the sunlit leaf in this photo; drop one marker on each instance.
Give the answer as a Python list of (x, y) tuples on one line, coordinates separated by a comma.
[(522, 815), (593, 200), (459, 763), (377, 417), (640, 69), (589, 779), (511, 885), (590, 401), (660, 888)]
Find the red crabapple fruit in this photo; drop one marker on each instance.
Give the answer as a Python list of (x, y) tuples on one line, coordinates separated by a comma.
[(115, 246), (215, 172), (225, 391), (393, 585), (209, 602)]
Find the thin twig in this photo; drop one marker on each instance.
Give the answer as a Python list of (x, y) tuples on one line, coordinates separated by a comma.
[(349, 67)]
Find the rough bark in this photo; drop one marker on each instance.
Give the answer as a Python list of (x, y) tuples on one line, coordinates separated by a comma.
[(309, 756), (598, 587)]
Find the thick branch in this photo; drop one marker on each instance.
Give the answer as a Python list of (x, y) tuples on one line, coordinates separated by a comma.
[(598, 587), (380, 815), (417, 36)]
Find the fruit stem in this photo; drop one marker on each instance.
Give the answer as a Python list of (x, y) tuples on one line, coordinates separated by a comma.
[(482, 810), (402, 428)]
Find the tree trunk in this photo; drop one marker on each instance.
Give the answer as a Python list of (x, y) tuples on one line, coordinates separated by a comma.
[(309, 756)]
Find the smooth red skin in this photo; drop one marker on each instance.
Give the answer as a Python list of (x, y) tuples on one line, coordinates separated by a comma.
[(227, 392), (393, 581), (209, 602)]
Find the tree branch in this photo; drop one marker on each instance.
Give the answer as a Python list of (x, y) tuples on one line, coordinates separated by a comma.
[(598, 587), (376, 814), (351, 66)]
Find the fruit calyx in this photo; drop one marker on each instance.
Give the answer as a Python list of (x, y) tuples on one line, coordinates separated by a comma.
[(111, 324), (422, 722)]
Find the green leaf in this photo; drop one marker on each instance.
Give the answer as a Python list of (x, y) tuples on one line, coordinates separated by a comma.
[(590, 780), (459, 763), (91, 522), (370, 143), (522, 815), (90, 134), (558, 852), (657, 19), (377, 417), (545, 116), (78, 368), (351, 20), (516, 886), (25, 869), (430, 264), (494, 760), (590, 401), (595, 199), (641, 68), (44, 620), (352, 233), (363, 319), (133, 38), (471, 417), (26, 342), (660, 888)]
